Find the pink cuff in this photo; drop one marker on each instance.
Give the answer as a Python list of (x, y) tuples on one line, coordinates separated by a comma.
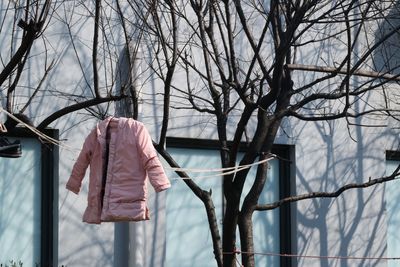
[(71, 188), (162, 187)]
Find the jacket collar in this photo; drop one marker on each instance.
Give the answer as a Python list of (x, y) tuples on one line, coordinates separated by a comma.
[(102, 126)]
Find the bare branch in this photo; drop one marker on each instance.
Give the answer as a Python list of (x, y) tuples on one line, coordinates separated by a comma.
[(31, 32), (361, 73), (95, 45), (81, 105), (371, 182), (170, 72)]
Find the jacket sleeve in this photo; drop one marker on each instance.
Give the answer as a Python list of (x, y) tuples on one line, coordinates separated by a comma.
[(151, 163), (79, 169)]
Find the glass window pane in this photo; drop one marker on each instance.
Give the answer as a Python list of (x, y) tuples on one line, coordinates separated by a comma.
[(392, 196), (266, 223), (188, 236), (20, 205)]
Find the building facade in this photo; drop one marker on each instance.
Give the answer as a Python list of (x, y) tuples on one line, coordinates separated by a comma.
[(41, 222)]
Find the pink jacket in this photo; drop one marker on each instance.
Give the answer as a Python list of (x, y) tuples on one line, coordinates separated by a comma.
[(132, 158)]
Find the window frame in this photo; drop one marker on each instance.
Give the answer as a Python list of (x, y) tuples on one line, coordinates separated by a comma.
[(49, 192), (393, 155), (286, 186)]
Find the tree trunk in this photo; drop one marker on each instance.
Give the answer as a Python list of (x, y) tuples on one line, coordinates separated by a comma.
[(229, 233), (213, 224), (246, 238), (245, 216)]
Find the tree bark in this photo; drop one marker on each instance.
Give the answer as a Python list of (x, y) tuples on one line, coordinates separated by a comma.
[(246, 238), (245, 216), (229, 233), (31, 30)]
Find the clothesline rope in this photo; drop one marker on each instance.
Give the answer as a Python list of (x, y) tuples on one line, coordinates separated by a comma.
[(228, 170), (270, 157), (223, 171), (38, 133), (210, 176), (312, 256)]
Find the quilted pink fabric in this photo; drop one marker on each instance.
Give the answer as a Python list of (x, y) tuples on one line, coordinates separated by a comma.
[(132, 160)]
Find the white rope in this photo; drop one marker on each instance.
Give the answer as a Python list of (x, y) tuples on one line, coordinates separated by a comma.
[(39, 133), (225, 171), (270, 157), (211, 176)]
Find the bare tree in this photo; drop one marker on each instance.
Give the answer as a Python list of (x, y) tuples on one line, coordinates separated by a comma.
[(24, 29), (227, 60), (243, 57)]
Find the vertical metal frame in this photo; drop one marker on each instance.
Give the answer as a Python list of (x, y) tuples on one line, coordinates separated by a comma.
[(49, 205), (286, 185)]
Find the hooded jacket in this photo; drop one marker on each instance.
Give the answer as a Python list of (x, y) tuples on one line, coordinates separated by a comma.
[(131, 160)]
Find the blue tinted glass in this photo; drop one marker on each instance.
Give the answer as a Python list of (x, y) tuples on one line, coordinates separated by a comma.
[(188, 236), (266, 223), (20, 205)]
